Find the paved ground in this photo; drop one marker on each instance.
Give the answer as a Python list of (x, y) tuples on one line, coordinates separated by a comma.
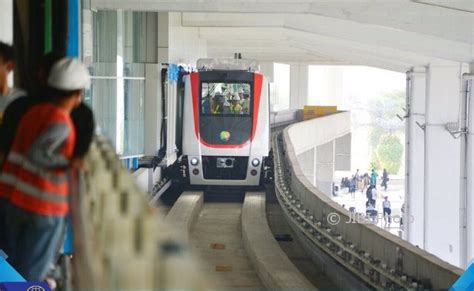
[(395, 193)]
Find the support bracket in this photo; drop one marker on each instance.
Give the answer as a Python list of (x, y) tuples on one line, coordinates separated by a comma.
[(422, 126)]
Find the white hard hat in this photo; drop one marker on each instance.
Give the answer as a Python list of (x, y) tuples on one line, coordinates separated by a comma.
[(69, 74), (236, 97)]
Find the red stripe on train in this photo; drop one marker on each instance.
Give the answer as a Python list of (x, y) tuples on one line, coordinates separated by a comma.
[(195, 85)]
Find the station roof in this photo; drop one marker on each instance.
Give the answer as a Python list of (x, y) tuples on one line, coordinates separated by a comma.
[(390, 34)]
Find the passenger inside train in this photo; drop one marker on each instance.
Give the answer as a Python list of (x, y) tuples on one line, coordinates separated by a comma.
[(225, 99)]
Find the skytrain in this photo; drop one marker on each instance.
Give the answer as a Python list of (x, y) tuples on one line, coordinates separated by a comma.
[(226, 123)]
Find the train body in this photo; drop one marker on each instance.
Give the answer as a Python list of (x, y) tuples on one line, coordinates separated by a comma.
[(226, 127)]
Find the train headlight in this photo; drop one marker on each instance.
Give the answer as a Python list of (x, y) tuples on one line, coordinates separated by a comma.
[(194, 161), (255, 162)]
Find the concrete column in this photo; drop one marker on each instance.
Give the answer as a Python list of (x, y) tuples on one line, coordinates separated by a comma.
[(6, 21), (342, 156), (307, 161), (415, 157), (469, 197), (87, 34), (163, 37), (298, 86), (325, 167), (267, 70), (443, 156), (335, 85), (6, 26), (120, 104), (152, 108)]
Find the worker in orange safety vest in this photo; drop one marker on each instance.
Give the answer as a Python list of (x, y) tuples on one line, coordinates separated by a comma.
[(35, 178)]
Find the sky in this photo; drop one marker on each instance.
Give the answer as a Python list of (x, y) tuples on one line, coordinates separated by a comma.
[(346, 84), (352, 88)]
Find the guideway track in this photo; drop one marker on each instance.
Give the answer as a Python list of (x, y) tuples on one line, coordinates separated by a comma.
[(234, 240)]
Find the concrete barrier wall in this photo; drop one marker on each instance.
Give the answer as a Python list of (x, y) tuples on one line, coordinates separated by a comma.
[(142, 178), (273, 266), (399, 255), (311, 133), (282, 116)]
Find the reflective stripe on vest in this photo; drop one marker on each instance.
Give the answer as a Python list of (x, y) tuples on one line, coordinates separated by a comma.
[(30, 185), (31, 190), (39, 191), (19, 160)]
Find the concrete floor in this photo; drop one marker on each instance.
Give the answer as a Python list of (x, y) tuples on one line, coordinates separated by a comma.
[(396, 195), (217, 239)]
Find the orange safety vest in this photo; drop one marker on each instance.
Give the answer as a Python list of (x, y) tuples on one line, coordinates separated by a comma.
[(28, 185)]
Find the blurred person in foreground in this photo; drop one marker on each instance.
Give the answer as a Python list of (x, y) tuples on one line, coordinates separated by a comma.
[(34, 175), (7, 95)]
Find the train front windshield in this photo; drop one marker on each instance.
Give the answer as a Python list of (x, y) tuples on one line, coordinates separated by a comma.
[(226, 108), (218, 98)]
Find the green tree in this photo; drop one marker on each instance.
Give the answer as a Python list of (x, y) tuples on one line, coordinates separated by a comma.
[(390, 152), (375, 132), (374, 162)]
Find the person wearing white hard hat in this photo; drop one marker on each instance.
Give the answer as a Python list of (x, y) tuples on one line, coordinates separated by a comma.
[(236, 108), (34, 175)]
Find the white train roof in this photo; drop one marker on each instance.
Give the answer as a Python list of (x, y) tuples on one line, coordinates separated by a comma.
[(228, 64)]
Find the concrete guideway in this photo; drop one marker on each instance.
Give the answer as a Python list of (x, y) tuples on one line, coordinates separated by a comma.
[(235, 241), (374, 255), (271, 263), (185, 212)]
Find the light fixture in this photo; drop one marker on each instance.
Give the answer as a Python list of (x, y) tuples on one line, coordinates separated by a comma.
[(194, 161), (255, 162)]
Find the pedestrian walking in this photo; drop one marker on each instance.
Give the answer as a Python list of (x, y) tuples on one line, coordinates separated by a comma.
[(387, 211), (373, 178), (385, 179), (374, 194), (370, 211)]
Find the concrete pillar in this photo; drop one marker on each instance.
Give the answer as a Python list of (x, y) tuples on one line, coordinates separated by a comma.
[(415, 157), (469, 197), (6, 21), (6, 26), (335, 85), (163, 37), (87, 34), (325, 167), (120, 104), (298, 86), (153, 87), (307, 161), (342, 156), (152, 108), (267, 70), (443, 155)]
